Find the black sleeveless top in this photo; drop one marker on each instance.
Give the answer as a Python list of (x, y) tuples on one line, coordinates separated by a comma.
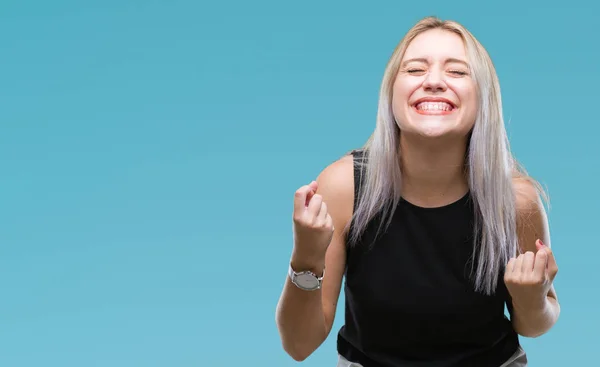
[(409, 297)]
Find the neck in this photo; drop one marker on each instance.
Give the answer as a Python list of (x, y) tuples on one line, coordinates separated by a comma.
[(433, 173)]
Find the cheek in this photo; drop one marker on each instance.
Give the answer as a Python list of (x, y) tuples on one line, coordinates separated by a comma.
[(472, 105), (469, 101), (400, 96)]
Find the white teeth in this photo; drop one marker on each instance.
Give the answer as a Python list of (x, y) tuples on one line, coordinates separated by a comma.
[(434, 106)]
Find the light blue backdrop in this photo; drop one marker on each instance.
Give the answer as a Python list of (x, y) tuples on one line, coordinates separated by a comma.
[(149, 151)]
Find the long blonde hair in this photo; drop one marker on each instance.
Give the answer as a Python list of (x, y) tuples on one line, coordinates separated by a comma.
[(490, 164)]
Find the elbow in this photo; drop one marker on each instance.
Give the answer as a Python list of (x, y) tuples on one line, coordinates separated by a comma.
[(531, 333), (298, 353), (298, 344), (298, 350), (298, 357), (291, 346)]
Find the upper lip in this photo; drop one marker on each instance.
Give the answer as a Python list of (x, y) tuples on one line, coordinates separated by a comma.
[(434, 99)]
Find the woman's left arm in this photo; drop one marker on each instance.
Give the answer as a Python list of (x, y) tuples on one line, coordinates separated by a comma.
[(529, 277)]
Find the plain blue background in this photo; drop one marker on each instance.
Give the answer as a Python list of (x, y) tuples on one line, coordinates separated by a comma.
[(149, 151)]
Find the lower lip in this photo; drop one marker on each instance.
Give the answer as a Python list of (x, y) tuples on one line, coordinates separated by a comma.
[(434, 112)]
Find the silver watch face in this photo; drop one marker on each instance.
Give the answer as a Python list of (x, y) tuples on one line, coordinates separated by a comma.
[(307, 281)]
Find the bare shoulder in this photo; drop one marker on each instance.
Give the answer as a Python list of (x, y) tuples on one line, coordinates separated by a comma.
[(336, 186), (339, 174), (527, 195), (532, 222)]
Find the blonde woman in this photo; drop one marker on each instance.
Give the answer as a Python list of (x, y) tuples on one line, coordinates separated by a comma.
[(432, 223)]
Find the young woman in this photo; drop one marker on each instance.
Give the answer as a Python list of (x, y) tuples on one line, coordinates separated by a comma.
[(432, 223)]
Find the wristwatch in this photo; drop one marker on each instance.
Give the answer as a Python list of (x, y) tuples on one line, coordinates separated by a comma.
[(306, 280)]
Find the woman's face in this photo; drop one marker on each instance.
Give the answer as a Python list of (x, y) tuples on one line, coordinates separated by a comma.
[(434, 95)]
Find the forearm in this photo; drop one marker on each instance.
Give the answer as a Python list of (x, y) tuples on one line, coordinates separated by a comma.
[(301, 321), (535, 321)]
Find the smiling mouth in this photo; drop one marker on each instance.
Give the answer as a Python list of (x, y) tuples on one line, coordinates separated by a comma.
[(434, 108)]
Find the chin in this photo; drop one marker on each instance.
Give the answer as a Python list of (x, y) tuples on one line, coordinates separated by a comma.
[(434, 131), (436, 127), (433, 124)]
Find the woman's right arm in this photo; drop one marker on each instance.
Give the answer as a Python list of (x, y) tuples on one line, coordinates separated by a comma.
[(305, 318)]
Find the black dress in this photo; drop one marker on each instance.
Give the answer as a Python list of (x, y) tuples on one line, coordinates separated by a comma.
[(409, 297)]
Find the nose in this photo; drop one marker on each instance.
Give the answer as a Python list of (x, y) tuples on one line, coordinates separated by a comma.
[(434, 82)]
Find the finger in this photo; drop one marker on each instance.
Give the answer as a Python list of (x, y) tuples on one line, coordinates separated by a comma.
[(329, 222), (528, 261), (300, 197), (313, 189), (323, 212), (541, 263), (509, 267), (548, 250), (551, 263), (315, 205), (539, 244), (518, 264)]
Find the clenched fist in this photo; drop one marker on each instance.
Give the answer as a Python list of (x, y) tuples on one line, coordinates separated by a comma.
[(313, 227), (529, 277)]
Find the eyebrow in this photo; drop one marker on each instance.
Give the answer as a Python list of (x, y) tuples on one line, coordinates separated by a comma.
[(449, 60)]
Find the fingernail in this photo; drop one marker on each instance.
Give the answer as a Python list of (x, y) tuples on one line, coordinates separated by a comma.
[(541, 243)]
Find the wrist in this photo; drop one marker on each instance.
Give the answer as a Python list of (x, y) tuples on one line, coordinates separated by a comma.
[(536, 306), (315, 265), (307, 277)]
